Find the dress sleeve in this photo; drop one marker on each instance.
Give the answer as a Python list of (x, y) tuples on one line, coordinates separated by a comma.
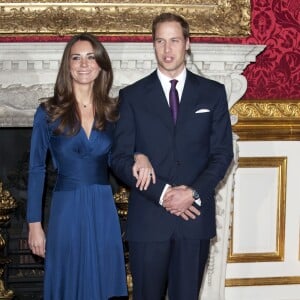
[(37, 166)]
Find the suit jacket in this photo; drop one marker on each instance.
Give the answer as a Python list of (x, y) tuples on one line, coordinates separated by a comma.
[(196, 152)]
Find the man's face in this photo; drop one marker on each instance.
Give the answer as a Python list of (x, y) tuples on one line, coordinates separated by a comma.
[(170, 48)]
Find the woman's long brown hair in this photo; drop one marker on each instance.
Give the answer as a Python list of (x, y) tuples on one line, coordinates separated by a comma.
[(63, 106)]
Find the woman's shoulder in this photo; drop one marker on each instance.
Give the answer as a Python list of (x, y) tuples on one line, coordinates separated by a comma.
[(40, 112)]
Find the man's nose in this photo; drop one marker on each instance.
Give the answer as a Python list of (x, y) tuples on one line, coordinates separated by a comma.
[(167, 47)]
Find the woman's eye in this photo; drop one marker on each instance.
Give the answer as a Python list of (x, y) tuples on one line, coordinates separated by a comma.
[(75, 57), (91, 57)]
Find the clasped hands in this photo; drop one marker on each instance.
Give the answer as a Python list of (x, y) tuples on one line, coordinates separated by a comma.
[(177, 200)]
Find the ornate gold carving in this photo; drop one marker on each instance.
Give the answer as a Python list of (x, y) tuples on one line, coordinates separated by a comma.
[(7, 205), (278, 255), (121, 198), (265, 109), (267, 120), (54, 17)]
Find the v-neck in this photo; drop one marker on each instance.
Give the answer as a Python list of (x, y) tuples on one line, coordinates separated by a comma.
[(88, 136)]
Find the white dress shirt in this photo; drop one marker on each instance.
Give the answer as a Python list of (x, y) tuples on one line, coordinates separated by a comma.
[(166, 85)]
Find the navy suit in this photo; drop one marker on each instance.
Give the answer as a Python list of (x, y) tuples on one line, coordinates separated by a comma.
[(196, 152)]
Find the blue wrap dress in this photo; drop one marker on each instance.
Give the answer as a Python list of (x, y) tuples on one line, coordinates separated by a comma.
[(84, 252)]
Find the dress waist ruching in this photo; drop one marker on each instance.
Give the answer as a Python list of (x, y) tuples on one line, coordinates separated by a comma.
[(75, 174)]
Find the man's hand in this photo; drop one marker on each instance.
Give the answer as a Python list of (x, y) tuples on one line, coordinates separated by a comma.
[(179, 201), (190, 213)]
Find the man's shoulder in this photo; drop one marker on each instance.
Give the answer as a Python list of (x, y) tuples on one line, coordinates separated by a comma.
[(201, 79), (141, 83)]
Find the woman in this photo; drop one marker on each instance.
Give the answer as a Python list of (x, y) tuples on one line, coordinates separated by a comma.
[(84, 253)]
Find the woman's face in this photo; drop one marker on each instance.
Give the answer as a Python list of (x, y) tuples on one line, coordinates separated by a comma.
[(83, 66)]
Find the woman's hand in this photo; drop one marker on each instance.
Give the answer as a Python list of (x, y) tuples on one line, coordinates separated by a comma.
[(143, 171), (36, 239)]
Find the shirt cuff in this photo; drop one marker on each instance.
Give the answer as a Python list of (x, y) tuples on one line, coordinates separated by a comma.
[(161, 199), (198, 202)]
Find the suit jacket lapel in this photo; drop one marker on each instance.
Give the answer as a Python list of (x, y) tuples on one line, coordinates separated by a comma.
[(189, 98), (156, 100)]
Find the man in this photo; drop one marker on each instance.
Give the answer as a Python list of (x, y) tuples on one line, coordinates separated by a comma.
[(170, 224)]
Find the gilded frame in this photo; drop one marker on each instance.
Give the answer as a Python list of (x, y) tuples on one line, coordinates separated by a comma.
[(267, 120), (117, 17), (266, 162)]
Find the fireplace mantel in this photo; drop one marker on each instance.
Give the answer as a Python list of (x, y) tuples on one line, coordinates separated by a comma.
[(28, 71)]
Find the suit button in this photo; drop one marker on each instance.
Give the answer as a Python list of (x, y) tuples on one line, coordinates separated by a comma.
[(177, 162)]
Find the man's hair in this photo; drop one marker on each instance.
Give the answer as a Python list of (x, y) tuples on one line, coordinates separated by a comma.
[(170, 17)]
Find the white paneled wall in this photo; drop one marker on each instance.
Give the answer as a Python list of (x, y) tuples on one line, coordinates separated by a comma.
[(266, 199)]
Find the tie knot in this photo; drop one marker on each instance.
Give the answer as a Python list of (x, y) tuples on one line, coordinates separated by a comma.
[(173, 83)]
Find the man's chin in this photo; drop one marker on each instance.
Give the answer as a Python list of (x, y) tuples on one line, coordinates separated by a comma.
[(169, 70)]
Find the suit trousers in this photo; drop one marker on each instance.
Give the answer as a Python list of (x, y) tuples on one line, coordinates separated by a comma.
[(175, 266)]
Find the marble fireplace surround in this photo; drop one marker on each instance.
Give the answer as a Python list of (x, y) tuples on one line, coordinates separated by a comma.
[(28, 72)]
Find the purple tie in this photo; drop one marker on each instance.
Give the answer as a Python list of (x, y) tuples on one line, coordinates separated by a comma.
[(174, 99)]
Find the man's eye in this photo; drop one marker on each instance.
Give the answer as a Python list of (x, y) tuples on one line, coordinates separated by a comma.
[(159, 42)]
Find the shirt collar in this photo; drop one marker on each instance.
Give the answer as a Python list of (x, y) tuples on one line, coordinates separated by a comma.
[(165, 79), (165, 82)]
